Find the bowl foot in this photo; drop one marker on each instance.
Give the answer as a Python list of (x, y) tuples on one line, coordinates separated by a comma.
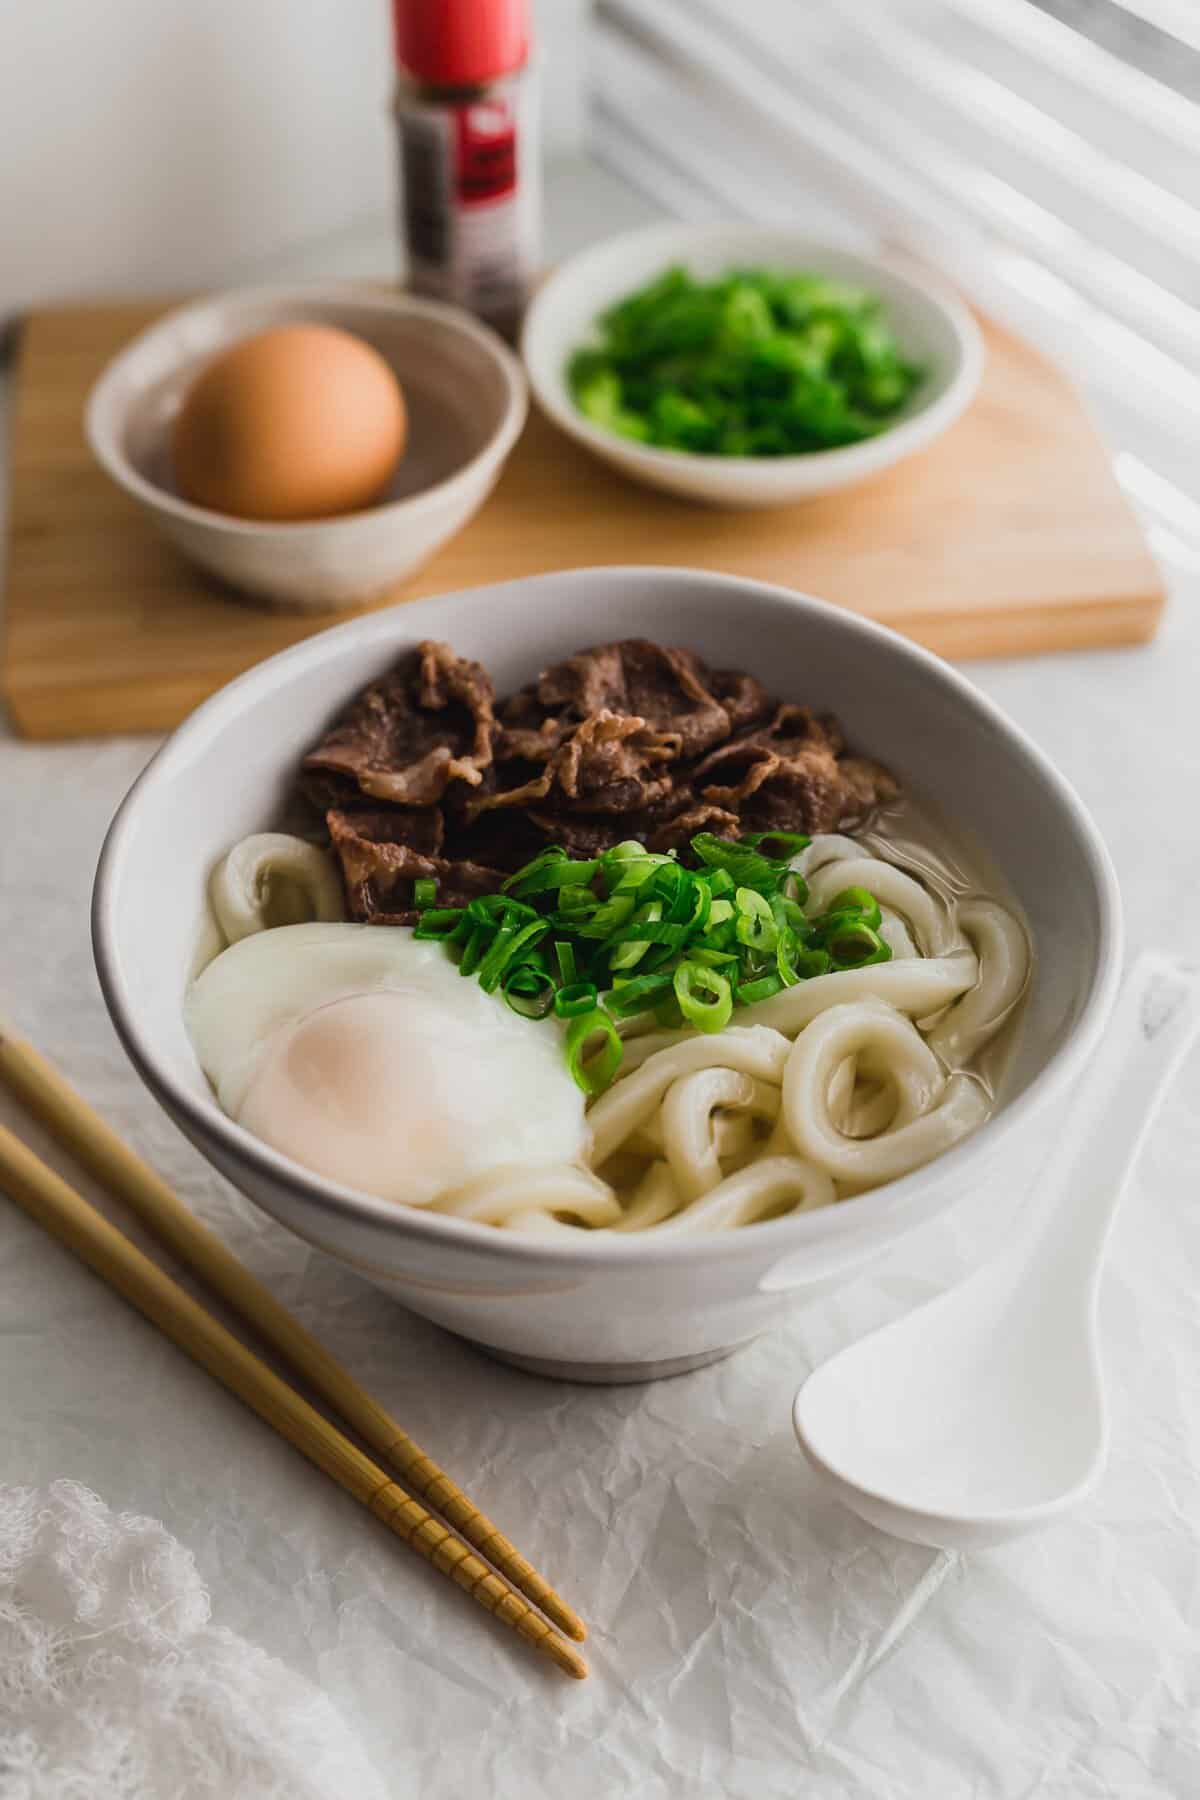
[(604, 1373)]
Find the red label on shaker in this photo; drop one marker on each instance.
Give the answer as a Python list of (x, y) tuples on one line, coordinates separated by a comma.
[(470, 197), (487, 151)]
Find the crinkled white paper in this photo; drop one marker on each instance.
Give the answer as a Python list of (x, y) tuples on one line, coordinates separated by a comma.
[(749, 1637)]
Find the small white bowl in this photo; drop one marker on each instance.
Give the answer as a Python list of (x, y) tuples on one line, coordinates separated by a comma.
[(933, 327), (596, 1306), (466, 400)]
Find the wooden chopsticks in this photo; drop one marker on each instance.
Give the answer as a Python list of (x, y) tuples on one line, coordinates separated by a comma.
[(512, 1595)]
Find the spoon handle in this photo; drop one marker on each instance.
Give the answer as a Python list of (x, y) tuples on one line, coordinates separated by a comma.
[(1155, 1020)]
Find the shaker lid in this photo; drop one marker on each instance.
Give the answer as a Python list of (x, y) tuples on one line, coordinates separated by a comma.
[(460, 43)]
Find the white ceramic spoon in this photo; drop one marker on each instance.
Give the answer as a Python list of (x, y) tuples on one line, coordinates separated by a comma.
[(981, 1415)]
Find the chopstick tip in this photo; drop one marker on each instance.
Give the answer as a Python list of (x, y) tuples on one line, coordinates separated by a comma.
[(568, 1622), (568, 1660)]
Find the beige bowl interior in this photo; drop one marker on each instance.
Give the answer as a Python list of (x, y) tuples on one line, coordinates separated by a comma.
[(456, 395)]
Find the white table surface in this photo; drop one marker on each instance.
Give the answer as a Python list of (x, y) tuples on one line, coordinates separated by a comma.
[(750, 1638)]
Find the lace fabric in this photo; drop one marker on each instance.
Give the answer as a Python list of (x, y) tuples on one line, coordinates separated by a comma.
[(116, 1684)]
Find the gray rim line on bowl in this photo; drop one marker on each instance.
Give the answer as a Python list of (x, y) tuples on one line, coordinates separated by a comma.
[(927, 419), (787, 1233), (122, 471)]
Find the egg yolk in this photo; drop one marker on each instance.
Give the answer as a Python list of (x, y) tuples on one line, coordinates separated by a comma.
[(389, 1093)]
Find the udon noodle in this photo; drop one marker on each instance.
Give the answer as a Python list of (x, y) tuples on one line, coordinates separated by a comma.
[(613, 835), (824, 1090)]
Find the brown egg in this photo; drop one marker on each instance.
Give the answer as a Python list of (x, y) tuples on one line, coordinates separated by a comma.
[(300, 422)]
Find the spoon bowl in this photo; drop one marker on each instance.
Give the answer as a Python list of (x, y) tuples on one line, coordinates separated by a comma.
[(981, 1415), (1011, 1428)]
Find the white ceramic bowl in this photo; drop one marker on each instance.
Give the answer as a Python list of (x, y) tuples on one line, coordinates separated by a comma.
[(604, 1308), (931, 324), (466, 399)]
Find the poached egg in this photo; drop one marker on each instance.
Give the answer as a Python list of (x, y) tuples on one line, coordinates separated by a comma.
[(363, 1054)]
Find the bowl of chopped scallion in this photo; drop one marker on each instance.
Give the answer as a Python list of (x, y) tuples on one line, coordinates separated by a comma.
[(747, 366)]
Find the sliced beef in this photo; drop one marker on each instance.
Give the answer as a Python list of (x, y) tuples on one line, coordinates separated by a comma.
[(677, 832), (869, 785), (498, 840), (422, 778), (789, 775), (609, 763), (526, 731), (427, 723), (380, 862), (328, 790), (635, 678), (745, 700), (421, 828), (579, 835), (534, 743)]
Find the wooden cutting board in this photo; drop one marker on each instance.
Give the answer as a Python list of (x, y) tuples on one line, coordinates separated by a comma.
[(1010, 535)]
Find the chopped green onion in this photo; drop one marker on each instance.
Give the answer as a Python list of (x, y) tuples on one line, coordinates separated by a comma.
[(552, 870), (743, 362), (474, 950), (507, 948), (793, 887), (631, 873), (634, 993), (575, 904), (647, 931), (677, 888), (755, 925), (704, 995), (789, 914), (710, 959), (790, 843), (629, 850), (631, 952), (787, 950), (593, 1066), (529, 990), (611, 913), (810, 963), (554, 853), (701, 907), (762, 989), (746, 867), (632, 931), (498, 912), (579, 997), (526, 941), (495, 960), (856, 900), (439, 922), (853, 945)]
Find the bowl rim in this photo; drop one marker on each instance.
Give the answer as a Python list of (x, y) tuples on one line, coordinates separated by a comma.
[(912, 432), (109, 452), (874, 1208)]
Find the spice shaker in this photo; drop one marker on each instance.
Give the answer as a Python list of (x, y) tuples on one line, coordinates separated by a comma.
[(470, 179)]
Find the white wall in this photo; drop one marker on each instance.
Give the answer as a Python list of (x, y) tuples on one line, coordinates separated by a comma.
[(163, 144)]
